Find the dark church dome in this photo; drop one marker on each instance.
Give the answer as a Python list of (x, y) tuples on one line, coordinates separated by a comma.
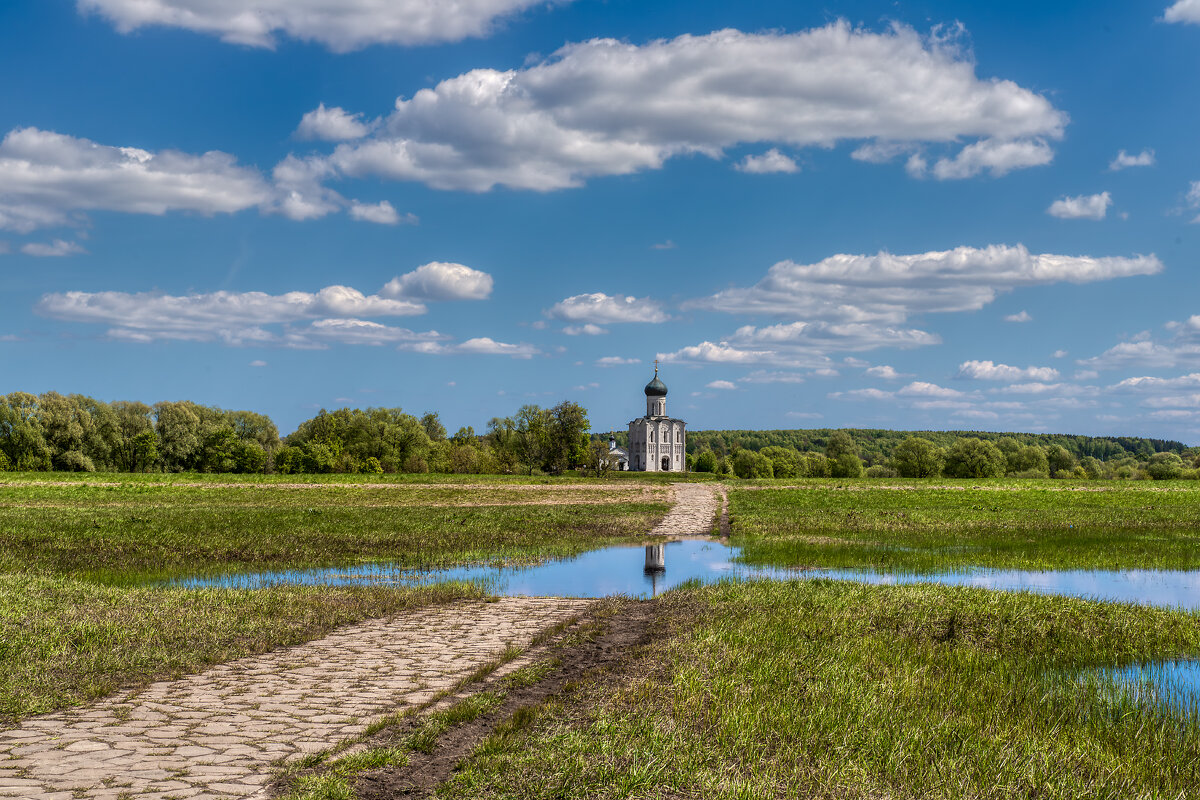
[(656, 388)]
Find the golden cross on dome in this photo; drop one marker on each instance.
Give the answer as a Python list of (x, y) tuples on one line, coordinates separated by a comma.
[(656, 366)]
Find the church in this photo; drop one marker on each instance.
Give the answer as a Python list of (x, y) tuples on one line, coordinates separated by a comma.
[(657, 442)]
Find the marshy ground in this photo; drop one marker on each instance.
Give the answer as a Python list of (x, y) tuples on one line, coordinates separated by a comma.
[(805, 688)]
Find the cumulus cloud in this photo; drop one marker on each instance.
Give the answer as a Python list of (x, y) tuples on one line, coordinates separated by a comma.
[(1084, 206), (887, 288), (926, 389), (58, 247), (601, 308), (359, 332), (608, 107), (616, 361), (721, 385), (232, 317), (770, 161), (1180, 349), (764, 376), (1124, 160), (863, 394), (991, 371), (440, 280), (258, 363), (340, 25), (1183, 11), (484, 345), (997, 156), (381, 213), (799, 344), (584, 330), (48, 178), (885, 372), (1020, 316), (332, 125)]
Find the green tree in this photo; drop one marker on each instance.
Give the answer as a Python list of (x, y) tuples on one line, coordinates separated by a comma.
[(1165, 466), (433, 426), (179, 435), (918, 458), (532, 436), (846, 465), (785, 461), (974, 458), (21, 437), (1028, 461), (1060, 460), (568, 439), (749, 464), (706, 462), (839, 444)]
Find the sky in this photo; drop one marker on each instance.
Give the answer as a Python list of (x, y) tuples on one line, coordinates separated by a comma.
[(913, 215)]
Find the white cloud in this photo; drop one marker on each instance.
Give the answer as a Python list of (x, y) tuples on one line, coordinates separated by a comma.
[(359, 332), (885, 372), (803, 415), (667, 245), (340, 25), (1020, 316), (799, 344), (1173, 401), (990, 371), (332, 125), (381, 213), (999, 156), (1124, 160), (974, 413), (1036, 388), (232, 317), (608, 107), (1060, 354), (1085, 206), (770, 161), (721, 385), (440, 280), (1189, 381), (258, 363), (48, 178), (1182, 349), (487, 346), (601, 308), (925, 389), (863, 394), (763, 376), (1183, 11), (1086, 374), (58, 247), (616, 361), (584, 330), (887, 288)]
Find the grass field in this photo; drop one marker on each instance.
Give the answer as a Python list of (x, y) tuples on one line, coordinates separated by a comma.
[(76, 621), (128, 532), (927, 527), (828, 689)]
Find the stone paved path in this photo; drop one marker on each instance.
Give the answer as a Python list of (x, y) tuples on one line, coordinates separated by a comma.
[(695, 509), (215, 734)]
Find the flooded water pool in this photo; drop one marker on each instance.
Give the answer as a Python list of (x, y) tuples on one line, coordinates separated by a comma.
[(647, 570), (1174, 685)]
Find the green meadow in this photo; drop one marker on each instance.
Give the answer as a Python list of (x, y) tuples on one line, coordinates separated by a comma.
[(77, 619), (927, 526), (828, 689)]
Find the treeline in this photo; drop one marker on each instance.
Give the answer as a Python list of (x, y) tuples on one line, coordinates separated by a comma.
[(878, 445), (965, 456), (77, 433)]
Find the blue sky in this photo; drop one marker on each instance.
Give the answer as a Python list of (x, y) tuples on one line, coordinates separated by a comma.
[(864, 214)]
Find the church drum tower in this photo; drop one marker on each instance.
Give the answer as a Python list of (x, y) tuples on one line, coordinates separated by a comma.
[(657, 442)]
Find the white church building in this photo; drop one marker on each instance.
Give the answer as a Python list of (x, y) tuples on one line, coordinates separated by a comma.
[(657, 442)]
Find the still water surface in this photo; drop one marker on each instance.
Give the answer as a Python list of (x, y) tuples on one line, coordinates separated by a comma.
[(643, 571)]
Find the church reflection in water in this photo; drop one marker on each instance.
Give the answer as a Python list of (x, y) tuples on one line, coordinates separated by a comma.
[(656, 565)]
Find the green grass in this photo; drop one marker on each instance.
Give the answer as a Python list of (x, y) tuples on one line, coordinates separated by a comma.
[(830, 689), (64, 641), (135, 531), (926, 527), (78, 621)]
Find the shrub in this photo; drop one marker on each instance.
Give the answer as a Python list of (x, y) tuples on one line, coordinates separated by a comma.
[(975, 458)]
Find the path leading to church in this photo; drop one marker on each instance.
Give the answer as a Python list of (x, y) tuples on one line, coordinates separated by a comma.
[(217, 734), (694, 510)]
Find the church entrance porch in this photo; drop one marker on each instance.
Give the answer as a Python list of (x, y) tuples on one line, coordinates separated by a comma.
[(666, 464)]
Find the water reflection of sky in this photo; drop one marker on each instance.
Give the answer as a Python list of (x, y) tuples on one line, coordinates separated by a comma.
[(1173, 684), (632, 570)]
